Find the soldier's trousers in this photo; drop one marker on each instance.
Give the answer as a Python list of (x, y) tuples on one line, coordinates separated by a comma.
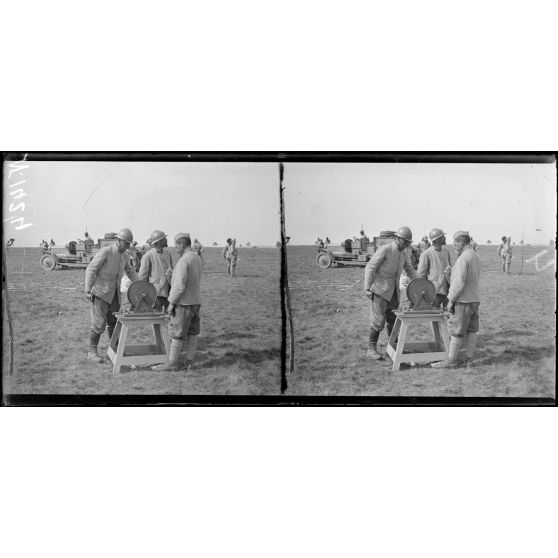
[(102, 313), (381, 311)]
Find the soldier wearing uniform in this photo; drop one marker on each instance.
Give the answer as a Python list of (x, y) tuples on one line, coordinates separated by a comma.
[(102, 287), (230, 254), (463, 301), (435, 265), (364, 241), (88, 243), (156, 267), (226, 252), (505, 252), (184, 304), (381, 285)]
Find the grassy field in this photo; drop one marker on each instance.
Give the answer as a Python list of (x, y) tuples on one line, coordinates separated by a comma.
[(238, 353), (516, 344), (239, 350)]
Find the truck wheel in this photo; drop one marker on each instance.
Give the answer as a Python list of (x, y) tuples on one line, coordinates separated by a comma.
[(48, 263), (323, 260)]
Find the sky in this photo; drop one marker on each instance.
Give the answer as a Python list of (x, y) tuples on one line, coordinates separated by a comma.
[(488, 200), (213, 201)]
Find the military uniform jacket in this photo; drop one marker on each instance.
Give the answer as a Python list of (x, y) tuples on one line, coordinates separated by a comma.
[(431, 266), (153, 267), (186, 279), (104, 273), (383, 270), (465, 277)]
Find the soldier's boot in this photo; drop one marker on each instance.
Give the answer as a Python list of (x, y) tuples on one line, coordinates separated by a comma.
[(469, 343), (453, 357), (372, 351), (191, 346), (92, 354), (507, 268), (174, 353)]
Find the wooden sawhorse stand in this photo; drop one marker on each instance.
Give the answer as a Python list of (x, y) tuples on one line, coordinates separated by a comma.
[(400, 352), (139, 355)]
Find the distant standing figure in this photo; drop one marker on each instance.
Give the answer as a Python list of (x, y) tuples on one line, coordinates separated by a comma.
[(505, 253), (463, 301), (156, 267), (232, 257), (327, 242), (10, 243), (226, 252), (364, 241), (52, 243), (88, 243)]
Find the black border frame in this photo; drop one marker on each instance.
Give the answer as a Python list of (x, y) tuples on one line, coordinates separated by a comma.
[(508, 157)]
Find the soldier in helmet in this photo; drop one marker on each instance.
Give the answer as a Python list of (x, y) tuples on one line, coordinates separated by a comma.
[(435, 265), (463, 301), (156, 267), (102, 287), (381, 285)]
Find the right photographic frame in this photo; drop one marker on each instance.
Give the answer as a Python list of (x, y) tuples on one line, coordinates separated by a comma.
[(421, 276)]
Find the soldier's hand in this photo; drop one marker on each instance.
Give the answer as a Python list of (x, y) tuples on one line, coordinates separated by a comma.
[(90, 297), (451, 308), (171, 310), (369, 294)]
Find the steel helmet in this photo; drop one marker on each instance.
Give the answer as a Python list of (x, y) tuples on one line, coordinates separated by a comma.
[(156, 236), (435, 234), (125, 235), (405, 233)]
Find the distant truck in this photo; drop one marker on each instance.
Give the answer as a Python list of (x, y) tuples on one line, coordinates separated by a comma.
[(75, 256), (352, 253)]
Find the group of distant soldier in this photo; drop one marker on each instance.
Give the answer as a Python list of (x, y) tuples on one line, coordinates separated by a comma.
[(457, 287), (45, 247)]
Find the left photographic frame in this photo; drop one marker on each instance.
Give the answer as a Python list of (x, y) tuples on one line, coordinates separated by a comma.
[(65, 228)]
